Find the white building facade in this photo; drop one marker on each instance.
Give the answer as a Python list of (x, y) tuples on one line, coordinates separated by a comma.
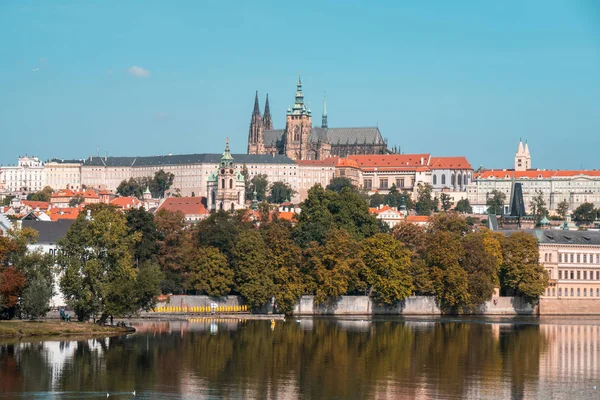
[(27, 176)]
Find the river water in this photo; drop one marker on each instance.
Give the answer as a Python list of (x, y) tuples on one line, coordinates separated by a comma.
[(321, 358)]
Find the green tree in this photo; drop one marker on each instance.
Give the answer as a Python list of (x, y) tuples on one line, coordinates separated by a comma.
[(425, 204), (521, 271), (247, 185), (585, 213), (97, 264), (386, 269), (36, 296), (414, 238), (397, 199), (450, 281), (495, 202), (280, 192), (7, 200), (253, 276), (334, 266), (562, 208), (446, 201), (377, 199), (338, 183), (259, 185), (209, 272), (285, 258), (141, 221), (450, 222), (538, 208), (75, 201), (324, 210), (129, 187), (463, 206), (173, 249), (162, 182), (482, 266), (42, 195)]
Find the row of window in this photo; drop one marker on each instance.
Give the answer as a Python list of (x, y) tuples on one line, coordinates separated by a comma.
[(571, 292), (574, 258), (578, 275), (452, 180), (383, 183)]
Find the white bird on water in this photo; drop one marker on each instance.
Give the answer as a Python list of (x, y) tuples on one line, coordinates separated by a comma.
[(133, 393)]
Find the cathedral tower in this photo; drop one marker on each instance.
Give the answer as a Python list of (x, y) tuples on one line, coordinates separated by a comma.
[(255, 134), (522, 157), (267, 122), (324, 116), (298, 125)]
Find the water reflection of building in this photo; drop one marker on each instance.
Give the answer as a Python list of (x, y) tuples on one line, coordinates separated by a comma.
[(191, 325), (573, 352)]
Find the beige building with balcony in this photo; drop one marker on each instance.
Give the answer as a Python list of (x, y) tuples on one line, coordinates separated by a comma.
[(63, 174)]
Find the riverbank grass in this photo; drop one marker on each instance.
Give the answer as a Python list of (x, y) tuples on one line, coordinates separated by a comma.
[(18, 328)]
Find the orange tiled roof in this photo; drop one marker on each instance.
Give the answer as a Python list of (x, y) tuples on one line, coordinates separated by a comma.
[(125, 202), (287, 215), (534, 174), (187, 205), (43, 205), (417, 218), (331, 161), (391, 160), (347, 162), (86, 194), (64, 213), (449, 163)]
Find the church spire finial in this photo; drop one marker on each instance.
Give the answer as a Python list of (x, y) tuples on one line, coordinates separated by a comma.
[(256, 107), (324, 116), (299, 107), (267, 120)]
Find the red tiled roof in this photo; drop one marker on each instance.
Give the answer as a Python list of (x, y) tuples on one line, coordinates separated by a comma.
[(35, 204), (331, 161), (187, 205), (533, 174), (417, 218), (64, 213), (125, 202), (391, 160), (347, 162), (449, 163), (287, 215)]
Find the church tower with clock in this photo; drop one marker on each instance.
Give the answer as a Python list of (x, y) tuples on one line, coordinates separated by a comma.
[(298, 126)]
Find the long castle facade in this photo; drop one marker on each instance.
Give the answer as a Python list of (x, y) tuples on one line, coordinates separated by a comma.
[(300, 140)]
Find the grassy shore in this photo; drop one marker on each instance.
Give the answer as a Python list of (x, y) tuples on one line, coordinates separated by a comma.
[(16, 329)]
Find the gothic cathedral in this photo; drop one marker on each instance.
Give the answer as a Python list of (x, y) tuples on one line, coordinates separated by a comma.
[(301, 141)]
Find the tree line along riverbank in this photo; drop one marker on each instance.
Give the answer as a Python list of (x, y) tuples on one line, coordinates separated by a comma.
[(115, 264)]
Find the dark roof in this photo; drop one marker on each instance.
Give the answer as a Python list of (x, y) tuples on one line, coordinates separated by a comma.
[(61, 161), (555, 236), (183, 159), (333, 136), (49, 231), (340, 136), (272, 137)]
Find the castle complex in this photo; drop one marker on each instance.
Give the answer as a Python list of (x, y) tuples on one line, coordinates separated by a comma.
[(300, 140)]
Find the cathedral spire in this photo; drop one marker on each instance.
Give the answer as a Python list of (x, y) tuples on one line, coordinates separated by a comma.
[(267, 121), (256, 107), (324, 117), (299, 107)]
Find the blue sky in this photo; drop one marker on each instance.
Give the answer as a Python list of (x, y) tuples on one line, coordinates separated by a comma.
[(155, 77)]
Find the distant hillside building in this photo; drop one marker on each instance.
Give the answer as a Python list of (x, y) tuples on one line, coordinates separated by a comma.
[(301, 141), (574, 186)]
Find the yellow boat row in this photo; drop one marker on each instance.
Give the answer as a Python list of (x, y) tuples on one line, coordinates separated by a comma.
[(200, 309)]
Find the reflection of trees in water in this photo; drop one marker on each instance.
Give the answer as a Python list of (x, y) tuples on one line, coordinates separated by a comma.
[(329, 360)]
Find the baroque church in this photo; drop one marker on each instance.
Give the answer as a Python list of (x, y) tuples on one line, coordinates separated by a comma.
[(300, 140)]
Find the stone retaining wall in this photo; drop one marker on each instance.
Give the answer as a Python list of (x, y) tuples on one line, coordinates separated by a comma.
[(569, 306), (414, 305)]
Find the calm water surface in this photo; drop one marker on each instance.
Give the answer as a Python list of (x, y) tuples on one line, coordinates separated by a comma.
[(444, 358)]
